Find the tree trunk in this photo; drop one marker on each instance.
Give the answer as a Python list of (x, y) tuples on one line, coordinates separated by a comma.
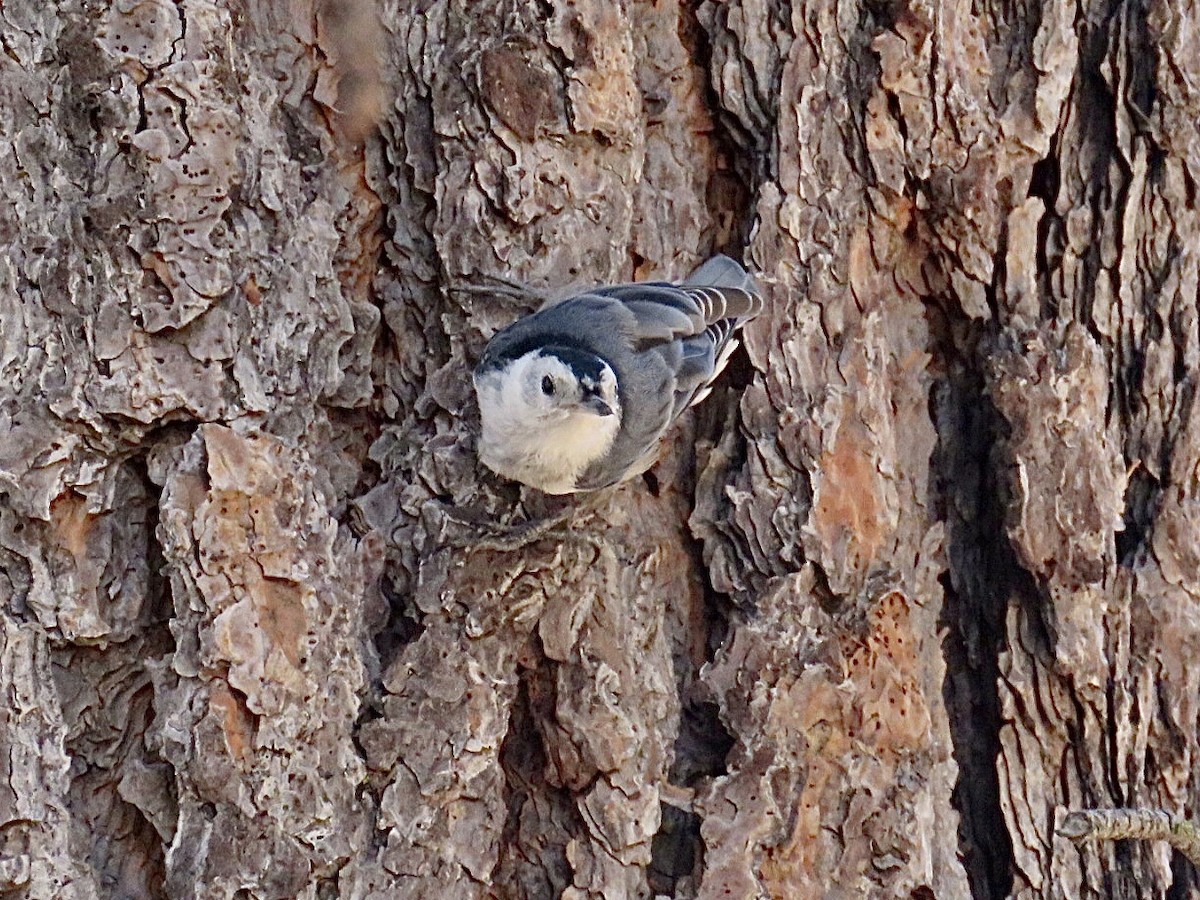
[(921, 577)]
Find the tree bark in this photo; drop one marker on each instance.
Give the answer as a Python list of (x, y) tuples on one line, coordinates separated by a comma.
[(919, 579)]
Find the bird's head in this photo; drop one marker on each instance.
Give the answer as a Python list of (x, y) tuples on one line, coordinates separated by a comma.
[(562, 382)]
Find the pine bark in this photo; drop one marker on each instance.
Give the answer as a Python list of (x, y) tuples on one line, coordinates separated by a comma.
[(918, 580)]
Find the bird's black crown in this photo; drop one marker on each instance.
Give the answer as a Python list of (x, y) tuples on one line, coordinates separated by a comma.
[(586, 366)]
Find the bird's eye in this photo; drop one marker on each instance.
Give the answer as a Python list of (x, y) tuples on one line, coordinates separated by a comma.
[(547, 385)]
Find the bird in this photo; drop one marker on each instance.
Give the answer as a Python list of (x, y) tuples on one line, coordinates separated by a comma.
[(576, 396)]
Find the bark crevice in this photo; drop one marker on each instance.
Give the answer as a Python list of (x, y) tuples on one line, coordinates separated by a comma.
[(977, 587)]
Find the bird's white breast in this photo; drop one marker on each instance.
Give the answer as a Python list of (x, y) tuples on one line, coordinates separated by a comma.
[(546, 452)]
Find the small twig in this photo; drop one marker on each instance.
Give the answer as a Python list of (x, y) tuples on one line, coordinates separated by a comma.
[(1134, 824), (506, 538), (499, 286)]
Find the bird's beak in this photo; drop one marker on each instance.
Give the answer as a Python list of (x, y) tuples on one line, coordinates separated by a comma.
[(598, 406)]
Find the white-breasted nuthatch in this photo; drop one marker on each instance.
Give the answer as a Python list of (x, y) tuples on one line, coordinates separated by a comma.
[(576, 396)]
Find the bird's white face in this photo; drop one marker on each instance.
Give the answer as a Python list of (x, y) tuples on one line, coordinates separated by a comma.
[(550, 389), (543, 423)]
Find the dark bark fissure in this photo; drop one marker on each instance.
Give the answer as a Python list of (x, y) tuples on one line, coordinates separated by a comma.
[(985, 575), (524, 761), (1044, 183), (1142, 498), (404, 624), (977, 590), (1183, 878), (400, 195), (703, 743), (861, 79), (753, 154), (729, 195), (1096, 105), (387, 642), (121, 843), (701, 751), (675, 850)]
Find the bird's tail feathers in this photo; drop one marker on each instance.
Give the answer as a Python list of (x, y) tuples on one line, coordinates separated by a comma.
[(725, 291), (721, 271), (719, 303), (724, 353)]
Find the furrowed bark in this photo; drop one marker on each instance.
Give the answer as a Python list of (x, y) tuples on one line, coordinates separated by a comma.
[(913, 584)]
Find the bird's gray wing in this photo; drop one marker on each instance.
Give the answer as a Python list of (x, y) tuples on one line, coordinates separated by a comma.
[(667, 312), (719, 289), (660, 312), (691, 326)]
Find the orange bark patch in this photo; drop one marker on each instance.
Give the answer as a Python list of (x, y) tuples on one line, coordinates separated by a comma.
[(72, 523), (237, 722), (892, 714), (858, 729), (846, 510), (232, 464), (280, 611)]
